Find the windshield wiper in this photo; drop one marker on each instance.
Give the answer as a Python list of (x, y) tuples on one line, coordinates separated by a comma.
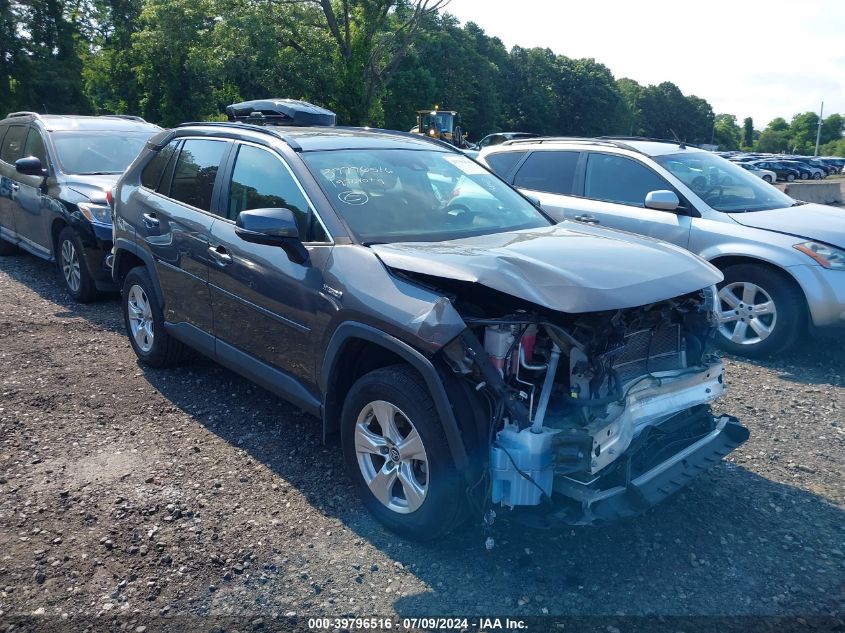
[(100, 173), (797, 203)]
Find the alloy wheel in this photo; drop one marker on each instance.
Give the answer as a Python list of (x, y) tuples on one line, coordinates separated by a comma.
[(70, 266), (392, 457), (748, 314), (140, 318)]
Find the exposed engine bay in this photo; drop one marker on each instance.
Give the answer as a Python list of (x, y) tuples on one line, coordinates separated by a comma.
[(584, 406)]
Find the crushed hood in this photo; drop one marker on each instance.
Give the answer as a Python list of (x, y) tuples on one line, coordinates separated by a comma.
[(812, 221), (92, 187), (567, 267)]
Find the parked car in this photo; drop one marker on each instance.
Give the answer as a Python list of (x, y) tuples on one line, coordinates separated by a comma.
[(783, 171), (466, 356), (767, 175), (56, 173), (806, 171), (783, 260)]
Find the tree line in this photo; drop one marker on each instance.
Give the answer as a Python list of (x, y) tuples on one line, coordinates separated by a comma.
[(374, 62)]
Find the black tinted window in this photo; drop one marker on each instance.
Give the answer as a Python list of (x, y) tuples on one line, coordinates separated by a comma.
[(552, 172), (151, 176), (261, 181), (619, 179), (13, 144), (504, 162), (196, 170), (35, 147)]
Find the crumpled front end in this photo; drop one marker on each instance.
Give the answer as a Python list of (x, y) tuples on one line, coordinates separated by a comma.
[(597, 415)]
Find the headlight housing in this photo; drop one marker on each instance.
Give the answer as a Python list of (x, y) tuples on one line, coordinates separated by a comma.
[(825, 255), (95, 212)]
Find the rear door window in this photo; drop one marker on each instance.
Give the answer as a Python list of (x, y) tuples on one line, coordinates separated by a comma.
[(548, 171), (13, 143), (196, 171), (619, 179), (504, 162)]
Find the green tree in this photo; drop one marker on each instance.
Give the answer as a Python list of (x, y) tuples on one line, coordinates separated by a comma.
[(802, 132), (727, 133), (832, 128), (747, 133), (48, 62), (371, 38), (773, 141)]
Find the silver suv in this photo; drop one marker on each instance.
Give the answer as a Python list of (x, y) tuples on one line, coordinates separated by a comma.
[(783, 260)]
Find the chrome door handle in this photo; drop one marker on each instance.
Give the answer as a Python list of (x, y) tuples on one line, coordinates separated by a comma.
[(220, 255), (15, 186), (586, 219), (150, 221)]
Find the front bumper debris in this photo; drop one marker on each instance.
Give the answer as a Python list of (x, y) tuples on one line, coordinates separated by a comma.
[(656, 484)]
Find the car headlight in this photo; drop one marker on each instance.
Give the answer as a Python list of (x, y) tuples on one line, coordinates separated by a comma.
[(95, 212), (827, 256)]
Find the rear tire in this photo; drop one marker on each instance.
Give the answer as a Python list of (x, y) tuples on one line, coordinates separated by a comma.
[(804, 176), (790, 177), (763, 311), (144, 321), (817, 176), (70, 258), (768, 179), (419, 497)]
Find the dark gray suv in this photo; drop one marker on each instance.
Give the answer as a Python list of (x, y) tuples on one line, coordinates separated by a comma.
[(56, 174), (468, 354)]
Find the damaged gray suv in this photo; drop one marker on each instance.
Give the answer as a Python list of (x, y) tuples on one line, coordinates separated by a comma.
[(469, 352)]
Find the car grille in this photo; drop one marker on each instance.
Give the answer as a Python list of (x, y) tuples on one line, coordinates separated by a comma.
[(650, 351)]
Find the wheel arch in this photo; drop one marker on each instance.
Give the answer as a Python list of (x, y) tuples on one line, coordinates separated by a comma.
[(128, 256), (356, 349), (724, 261), (56, 227)]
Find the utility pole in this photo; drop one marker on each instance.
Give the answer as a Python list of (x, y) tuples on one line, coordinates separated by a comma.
[(819, 131)]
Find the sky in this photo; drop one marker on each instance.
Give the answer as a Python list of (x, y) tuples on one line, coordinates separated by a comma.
[(757, 59)]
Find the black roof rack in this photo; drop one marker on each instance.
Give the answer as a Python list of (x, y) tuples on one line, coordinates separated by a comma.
[(281, 112), (12, 115), (607, 142), (650, 139), (247, 126), (378, 130)]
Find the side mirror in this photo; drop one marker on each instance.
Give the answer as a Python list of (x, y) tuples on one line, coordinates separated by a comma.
[(662, 200), (29, 166), (272, 227)]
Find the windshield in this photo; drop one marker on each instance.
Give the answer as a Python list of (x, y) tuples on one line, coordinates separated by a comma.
[(442, 121), (84, 153), (723, 185), (399, 195)]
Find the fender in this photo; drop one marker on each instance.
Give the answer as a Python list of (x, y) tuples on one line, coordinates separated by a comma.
[(354, 330), (122, 246)]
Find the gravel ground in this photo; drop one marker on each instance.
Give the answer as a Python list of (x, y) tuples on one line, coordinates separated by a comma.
[(131, 493)]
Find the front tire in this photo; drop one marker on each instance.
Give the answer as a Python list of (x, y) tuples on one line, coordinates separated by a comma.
[(817, 176), (790, 177), (70, 257), (144, 321), (761, 309), (397, 455), (768, 179)]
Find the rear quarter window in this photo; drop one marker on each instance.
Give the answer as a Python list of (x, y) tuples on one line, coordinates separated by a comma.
[(503, 163), (549, 171), (13, 142), (152, 173)]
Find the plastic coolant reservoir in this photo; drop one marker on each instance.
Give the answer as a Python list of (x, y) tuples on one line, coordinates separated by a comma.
[(532, 454)]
